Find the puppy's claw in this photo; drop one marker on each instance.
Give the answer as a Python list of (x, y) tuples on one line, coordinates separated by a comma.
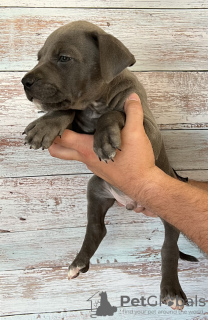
[(99, 158), (119, 149), (24, 133), (112, 160)]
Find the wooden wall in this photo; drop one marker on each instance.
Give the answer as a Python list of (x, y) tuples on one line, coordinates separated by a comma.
[(43, 200)]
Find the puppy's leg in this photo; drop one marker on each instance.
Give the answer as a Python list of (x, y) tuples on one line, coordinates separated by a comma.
[(99, 201), (171, 291), (43, 131), (107, 137)]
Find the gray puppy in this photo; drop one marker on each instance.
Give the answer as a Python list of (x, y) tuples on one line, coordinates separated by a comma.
[(81, 81)]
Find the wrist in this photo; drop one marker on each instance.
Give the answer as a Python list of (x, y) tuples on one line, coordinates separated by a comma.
[(150, 186)]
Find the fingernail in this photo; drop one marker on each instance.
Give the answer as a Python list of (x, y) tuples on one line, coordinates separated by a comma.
[(134, 97)]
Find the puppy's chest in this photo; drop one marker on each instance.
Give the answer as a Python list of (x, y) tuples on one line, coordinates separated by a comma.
[(86, 120)]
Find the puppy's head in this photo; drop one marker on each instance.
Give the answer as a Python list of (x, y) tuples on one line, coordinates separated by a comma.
[(75, 64)]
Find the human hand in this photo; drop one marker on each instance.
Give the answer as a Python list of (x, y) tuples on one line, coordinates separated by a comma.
[(132, 166)]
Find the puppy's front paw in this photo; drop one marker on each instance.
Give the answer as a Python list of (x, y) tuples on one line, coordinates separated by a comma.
[(106, 142), (41, 133)]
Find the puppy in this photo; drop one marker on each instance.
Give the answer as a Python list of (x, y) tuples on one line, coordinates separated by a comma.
[(81, 81)]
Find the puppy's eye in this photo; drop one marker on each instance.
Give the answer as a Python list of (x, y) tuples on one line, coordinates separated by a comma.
[(64, 59)]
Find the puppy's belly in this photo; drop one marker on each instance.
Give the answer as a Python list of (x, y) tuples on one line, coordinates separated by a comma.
[(122, 198)]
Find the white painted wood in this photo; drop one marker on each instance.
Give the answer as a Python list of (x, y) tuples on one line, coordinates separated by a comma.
[(199, 175), (58, 247), (46, 215), (51, 202), (185, 4), (18, 161), (177, 99), (48, 290), (29, 204), (159, 39), (186, 149), (50, 250), (127, 313)]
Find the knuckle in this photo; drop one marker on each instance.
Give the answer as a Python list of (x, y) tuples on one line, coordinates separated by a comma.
[(52, 151)]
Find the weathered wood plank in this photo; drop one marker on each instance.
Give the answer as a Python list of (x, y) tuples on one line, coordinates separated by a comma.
[(198, 175), (48, 290), (18, 161), (51, 202), (187, 150), (177, 99), (59, 201), (159, 39), (128, 260), (58, 247), (127, 313), (185, 4), (122, 313), (181, 145)]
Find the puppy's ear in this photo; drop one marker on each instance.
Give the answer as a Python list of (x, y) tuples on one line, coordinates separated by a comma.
[(114, 56)]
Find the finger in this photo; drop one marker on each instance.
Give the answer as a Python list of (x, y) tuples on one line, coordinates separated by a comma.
[(149, 213), (69, 139), (134, 111), (139, 209), (76, 141), (119, 204), (145, 211), (57, 151)]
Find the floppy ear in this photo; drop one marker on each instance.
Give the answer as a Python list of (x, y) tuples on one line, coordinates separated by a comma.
[(114, 56)]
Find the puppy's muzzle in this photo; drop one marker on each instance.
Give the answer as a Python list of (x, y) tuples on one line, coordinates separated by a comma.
[(36, 88)]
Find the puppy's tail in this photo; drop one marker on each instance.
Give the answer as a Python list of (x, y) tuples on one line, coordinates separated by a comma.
[(187, 257)]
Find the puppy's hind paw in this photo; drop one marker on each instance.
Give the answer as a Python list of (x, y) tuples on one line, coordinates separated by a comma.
[(73, 273), (74, 270), (174, 297)]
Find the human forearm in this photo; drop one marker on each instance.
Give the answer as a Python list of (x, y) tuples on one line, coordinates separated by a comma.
[(180, 204)]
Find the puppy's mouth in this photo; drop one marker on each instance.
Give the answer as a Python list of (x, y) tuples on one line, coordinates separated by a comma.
[(44, 106), (54, 99), (62, 104), (46, 96)]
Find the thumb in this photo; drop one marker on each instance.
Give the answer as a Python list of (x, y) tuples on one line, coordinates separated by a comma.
[(134, 111)]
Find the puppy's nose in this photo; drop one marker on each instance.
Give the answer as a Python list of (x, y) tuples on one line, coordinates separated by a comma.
[(28, 81)]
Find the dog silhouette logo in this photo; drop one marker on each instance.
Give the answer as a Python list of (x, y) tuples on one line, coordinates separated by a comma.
[(104, 308)]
